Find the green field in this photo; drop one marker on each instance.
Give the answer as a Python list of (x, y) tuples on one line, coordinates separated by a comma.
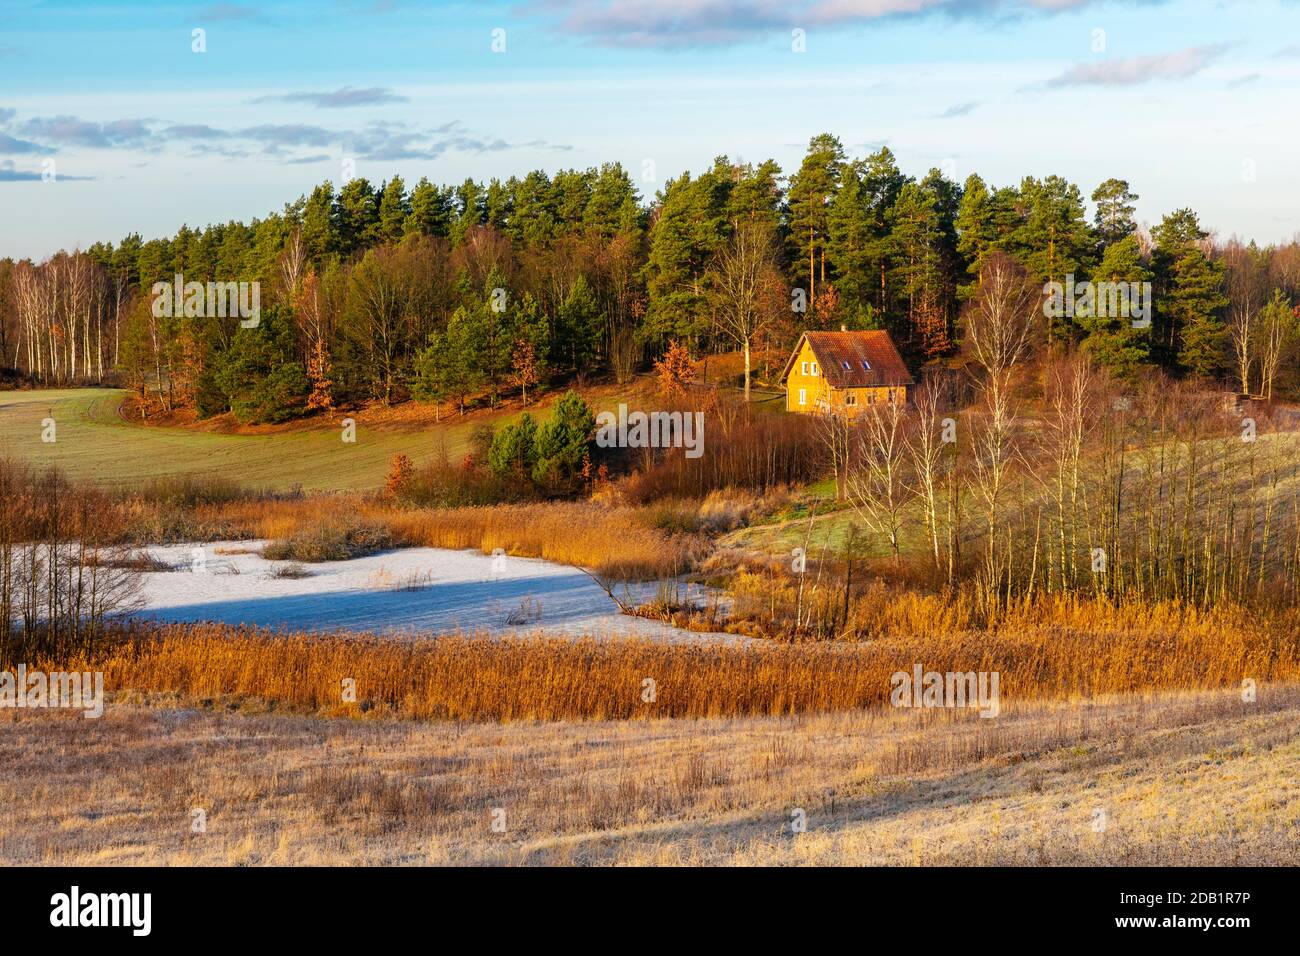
[(94, 442)]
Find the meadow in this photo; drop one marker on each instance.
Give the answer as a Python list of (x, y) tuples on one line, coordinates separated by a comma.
[(95, 441), (1182, 778)]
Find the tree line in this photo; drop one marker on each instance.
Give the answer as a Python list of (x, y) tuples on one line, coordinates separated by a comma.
[(452, 294)]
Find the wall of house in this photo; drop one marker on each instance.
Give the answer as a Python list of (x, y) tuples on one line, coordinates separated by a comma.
[(813, 385), (882, 395)]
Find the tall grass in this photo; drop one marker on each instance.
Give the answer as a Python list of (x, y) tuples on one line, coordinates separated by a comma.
[(618, 541), (1053, 651)]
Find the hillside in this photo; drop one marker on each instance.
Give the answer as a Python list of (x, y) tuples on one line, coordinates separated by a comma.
[(96, 441)]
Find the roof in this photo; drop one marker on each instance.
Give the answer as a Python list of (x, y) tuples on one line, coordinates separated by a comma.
[(870, 356)]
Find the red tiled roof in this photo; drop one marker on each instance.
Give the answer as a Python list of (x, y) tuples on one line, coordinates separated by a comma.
[(834, 350)]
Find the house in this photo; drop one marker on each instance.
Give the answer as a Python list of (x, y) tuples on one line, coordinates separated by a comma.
[(845, 372)]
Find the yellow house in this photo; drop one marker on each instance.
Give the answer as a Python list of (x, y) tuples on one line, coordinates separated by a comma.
[(845, 372)]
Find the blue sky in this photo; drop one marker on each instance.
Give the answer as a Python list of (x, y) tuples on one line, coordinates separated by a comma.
[(1193, 102)]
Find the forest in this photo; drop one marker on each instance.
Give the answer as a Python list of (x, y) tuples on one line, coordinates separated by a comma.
[(457, 295)]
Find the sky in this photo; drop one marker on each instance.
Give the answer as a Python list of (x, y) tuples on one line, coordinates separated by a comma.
[(119, 117)]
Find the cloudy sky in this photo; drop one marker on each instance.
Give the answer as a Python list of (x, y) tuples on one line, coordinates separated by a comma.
[(1194, 102)]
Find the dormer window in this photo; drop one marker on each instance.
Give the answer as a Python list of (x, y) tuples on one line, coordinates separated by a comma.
[(866, 366), (845, 365)]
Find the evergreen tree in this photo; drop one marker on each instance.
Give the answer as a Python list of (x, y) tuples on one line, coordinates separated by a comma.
[(1053, 239), (469, 210), (451, 365), (853, 243), (883, 181), (1112, 340), (564, 441), (577, 328), (431, 210), (514, 449), (812, 190), (687, 228), (1113, 219), (533, 201), (977, 231), (1190, 295), (260, 374), (393, 210), (318, 225), (613, 208), (356, 217)]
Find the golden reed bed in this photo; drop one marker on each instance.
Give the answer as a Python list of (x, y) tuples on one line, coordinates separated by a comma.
[(1052, 650)]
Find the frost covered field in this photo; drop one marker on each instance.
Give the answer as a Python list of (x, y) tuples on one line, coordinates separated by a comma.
[(408, 590)]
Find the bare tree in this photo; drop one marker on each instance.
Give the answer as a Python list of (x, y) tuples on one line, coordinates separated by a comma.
[(836, 433), (880, 485), (1277, 328), (292, 261), (998, 325), (926, 444), (741, 286), (1247, 283), (1072, 415)]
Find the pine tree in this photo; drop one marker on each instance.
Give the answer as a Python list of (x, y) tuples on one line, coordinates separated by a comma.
[(1053, 240), (1190, 294), (356, 215), (577, 329), (393, 210), (812, 189), (1113, 219), (977, 232), (852, 244), (431, 211), (1112, 340), (563, 442), (882, 181)]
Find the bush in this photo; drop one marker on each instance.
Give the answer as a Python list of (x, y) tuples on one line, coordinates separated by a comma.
[(550, 455), (325, 541), (514, 448), (444, 485), (564, 441)]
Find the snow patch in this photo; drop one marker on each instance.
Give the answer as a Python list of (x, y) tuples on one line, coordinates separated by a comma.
[(407, 591)]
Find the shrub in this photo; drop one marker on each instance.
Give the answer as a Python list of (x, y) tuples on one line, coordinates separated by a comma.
[(514, 448), (329, 541), (563, 442)]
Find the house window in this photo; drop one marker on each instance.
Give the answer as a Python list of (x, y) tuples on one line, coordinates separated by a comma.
[(850, 399), (803, 396), (814, 368), (803, 368), (866, 366)]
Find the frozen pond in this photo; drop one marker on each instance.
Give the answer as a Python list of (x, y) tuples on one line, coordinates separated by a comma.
[(424, 590)]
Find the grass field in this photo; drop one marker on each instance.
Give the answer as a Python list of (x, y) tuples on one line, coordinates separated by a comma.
[(93, 441), (1176, 779)]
